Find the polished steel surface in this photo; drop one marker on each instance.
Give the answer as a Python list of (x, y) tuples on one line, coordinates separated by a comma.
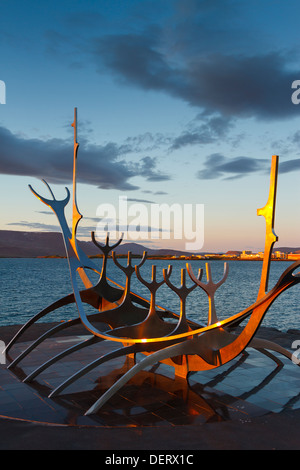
[(132, 325), (268, 212)]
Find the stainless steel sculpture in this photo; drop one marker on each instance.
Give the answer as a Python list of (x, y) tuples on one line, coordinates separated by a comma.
[(137, 325)]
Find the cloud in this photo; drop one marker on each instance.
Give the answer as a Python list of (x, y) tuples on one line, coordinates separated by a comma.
[(127, 229), (156, 193), (217, 56), (144, 201), (241, 83), (211, 130), (218, 166), (104, 166), (289, 166), (242, 86), (83, 230), (147, 142), (147, 168), (45, 212), (36, 225), (134, 59)]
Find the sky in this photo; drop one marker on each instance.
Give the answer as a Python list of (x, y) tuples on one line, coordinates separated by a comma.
[(179, 102)]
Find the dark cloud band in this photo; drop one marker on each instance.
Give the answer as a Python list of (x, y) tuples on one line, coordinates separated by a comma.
[(103, 166)]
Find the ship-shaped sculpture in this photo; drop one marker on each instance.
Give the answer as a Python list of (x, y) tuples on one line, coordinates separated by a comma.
[(137, 325)]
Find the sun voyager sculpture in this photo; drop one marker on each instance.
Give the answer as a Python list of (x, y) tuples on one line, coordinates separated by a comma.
[(137, 325)]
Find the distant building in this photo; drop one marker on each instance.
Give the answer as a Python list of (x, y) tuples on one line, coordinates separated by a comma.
[(247, 254), (232, 254), (280, 255)]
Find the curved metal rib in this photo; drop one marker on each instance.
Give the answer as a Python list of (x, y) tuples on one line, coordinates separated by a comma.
[(157, 356), (258, 343), (59, 303), (50, 362), (213, 348), (106, 357), (39, 340), (151, 326), (285, 281)]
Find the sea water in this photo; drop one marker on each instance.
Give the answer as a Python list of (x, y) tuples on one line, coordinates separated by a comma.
[(29, 285)]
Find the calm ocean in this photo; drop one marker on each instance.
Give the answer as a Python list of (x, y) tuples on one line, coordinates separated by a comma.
[(29, 285)]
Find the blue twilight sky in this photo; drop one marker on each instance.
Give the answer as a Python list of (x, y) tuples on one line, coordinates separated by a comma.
[(179, 101)]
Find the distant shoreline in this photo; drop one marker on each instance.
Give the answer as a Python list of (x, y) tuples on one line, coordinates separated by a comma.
[(19, 244), (170, 258)]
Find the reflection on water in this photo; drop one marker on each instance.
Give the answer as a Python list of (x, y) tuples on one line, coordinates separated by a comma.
[(29, 285)]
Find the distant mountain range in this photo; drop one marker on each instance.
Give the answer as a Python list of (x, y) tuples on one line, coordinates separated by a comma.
[(17, 244)]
